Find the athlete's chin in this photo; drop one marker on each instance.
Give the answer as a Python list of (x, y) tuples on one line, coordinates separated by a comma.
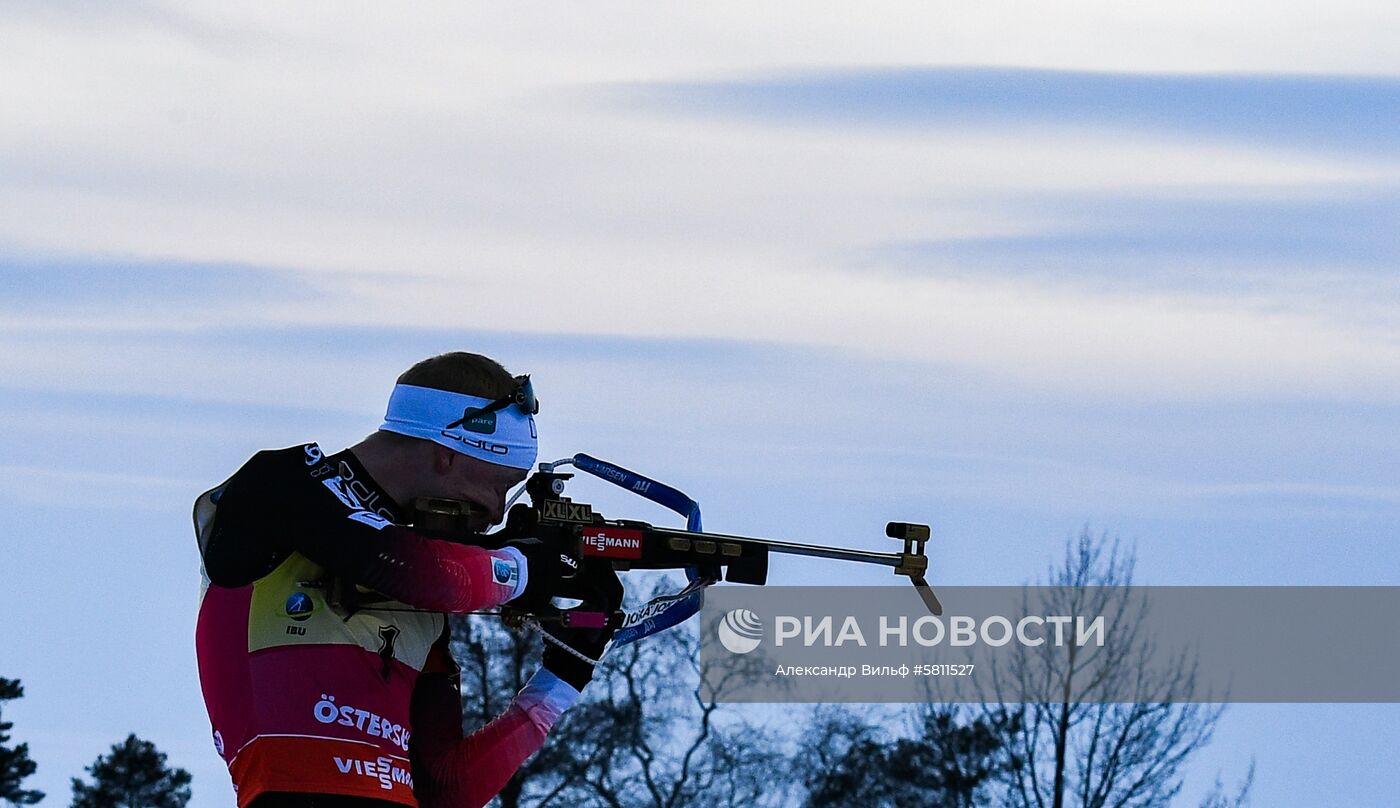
[(480, 521)]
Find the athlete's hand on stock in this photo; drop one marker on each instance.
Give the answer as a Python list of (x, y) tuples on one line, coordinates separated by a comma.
[(543, 569)]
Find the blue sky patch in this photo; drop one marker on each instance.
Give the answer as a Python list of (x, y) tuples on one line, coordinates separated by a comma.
[(1207, 243), (119, 285), (1335, 113)]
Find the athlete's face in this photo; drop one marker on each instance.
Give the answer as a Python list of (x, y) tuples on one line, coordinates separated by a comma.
[(483, 484)]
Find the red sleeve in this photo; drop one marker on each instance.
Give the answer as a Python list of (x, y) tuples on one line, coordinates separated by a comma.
[(440, 576), (450, 771)]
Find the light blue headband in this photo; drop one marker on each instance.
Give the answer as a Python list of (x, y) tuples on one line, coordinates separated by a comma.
[(505, 436)]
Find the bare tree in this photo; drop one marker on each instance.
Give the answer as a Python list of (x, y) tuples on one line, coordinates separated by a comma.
[(659, 743), (1217, 798), (1101, 726), (951, 759)]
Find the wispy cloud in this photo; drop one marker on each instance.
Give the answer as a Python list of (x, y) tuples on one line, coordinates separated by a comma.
[(1334, 229), (1342, 113), (1330, 252)]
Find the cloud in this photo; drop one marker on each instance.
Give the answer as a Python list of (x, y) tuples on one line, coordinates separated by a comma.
[(1351, 114), (1328, 252), (1034, 331), (1332, 229), (341, 186)]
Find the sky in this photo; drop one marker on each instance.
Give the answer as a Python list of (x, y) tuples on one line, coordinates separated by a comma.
[(1008, 269)]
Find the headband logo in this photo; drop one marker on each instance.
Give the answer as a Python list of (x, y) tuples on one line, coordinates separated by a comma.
[(474, 420), (483, 445)]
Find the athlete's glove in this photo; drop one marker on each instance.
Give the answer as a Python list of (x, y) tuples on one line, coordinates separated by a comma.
[(604, 594), (543, 569), (591, 642)]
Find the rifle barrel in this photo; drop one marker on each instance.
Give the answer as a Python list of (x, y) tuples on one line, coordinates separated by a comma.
[(794, 548), (842, 553)]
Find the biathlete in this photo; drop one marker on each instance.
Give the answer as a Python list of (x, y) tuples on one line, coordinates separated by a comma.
[(322, 635)]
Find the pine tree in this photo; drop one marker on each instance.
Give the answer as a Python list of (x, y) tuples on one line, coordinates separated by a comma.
[(15, 764), (134, 775)]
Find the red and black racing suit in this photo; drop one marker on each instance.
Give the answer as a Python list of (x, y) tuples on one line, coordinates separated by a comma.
[(309, 695)]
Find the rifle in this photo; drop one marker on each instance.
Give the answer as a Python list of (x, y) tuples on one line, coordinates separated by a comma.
[(595, 549)]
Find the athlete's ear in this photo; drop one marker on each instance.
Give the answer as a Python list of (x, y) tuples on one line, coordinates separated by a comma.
[(443, 458)]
